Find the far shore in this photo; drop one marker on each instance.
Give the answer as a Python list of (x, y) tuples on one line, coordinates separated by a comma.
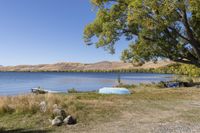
[(163, 67), (90, 67)]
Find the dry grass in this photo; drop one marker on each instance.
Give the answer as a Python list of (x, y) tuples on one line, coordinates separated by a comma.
[(85, 107)]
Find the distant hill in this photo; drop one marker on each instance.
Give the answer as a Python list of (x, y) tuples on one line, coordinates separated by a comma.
[(105, 65)]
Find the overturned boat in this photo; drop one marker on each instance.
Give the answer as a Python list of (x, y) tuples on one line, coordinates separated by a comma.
[(114, 90)]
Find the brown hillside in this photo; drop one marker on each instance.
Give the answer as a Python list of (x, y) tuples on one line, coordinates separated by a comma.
[(105, 65)]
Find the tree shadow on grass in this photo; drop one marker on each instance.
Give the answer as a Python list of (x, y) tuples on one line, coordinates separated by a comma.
[(2, 130)]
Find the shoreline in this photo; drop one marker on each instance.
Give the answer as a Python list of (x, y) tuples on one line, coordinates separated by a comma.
[(107, 113)]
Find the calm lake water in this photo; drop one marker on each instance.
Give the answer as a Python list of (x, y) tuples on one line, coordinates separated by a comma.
[(13, 83)]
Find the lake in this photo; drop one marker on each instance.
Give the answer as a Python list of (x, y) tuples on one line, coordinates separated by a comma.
[(13, 83)]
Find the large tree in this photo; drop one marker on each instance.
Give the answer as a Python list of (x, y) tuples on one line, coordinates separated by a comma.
[(157, 29)]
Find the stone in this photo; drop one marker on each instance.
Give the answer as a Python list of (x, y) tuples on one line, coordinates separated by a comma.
[(197, 86), (57, 121), (43, 106), (69, 120), (59, 112), (55, 106)]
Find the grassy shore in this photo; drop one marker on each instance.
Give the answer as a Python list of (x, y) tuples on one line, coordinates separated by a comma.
[(148, 109)]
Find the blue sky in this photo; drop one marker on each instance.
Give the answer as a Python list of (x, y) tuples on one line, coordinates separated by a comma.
[(48, 31)]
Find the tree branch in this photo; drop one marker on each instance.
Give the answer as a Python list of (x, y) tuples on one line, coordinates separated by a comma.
[(182, 61), (179, 34), (192, 40)]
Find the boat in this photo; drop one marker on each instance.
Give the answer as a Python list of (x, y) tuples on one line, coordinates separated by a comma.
[(114, 90), (40, 90)]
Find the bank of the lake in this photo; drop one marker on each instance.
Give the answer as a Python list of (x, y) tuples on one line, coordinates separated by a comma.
[(148, 109)]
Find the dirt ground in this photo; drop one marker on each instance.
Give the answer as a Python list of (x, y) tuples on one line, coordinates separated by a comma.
[(155, 121)]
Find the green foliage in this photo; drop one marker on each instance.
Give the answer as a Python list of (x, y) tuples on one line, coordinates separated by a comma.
[(181, 69), (157, 29), (73, 90)]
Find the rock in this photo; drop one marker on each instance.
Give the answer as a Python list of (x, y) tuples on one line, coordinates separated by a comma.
[(58, 117), (197, 86), (55, 106), (59, 112), (57, 121), (43, 106), (69, 120)]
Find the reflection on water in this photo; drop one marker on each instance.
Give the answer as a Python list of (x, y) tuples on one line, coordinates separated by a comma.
[(12, 83)]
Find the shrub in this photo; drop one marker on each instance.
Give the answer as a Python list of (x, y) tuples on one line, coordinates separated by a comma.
[(73, 90)]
